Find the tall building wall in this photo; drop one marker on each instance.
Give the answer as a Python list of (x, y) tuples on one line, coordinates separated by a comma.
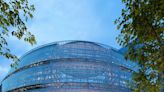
[(0, 88), (70, 66)]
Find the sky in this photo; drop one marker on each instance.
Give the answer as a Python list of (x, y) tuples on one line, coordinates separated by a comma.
[(58, 20)]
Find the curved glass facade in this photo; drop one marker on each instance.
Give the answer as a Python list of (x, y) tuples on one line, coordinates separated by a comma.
[(70, 66)]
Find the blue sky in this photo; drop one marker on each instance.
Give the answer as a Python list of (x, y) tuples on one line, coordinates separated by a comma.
[(57, 20)]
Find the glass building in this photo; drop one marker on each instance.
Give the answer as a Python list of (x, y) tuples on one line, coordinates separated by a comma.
[(70, 66)]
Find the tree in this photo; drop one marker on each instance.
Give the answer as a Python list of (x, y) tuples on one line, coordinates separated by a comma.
[(13, 17), (142, 31)]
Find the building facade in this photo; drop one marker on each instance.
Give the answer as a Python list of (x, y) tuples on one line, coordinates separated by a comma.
[(0, 88), (70, 66)]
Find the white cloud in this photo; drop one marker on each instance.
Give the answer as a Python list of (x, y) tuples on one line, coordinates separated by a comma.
[(65, 20), (56, 20), (3, 72)]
